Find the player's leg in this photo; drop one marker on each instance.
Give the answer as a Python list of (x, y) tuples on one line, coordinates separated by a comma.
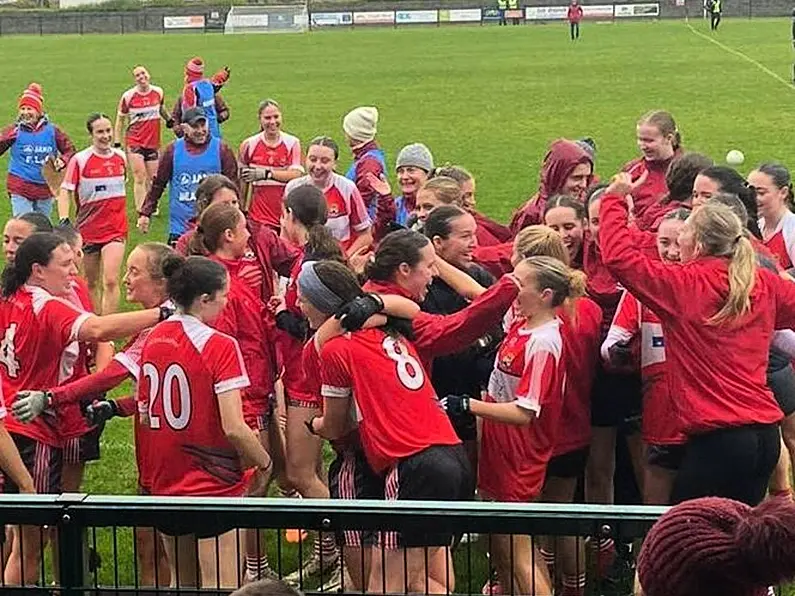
[(153, 564), (43, 206), (637, 455), (662, 466), (218, 557), (112, 257), (571, 30), (20, 205), (577, 30), (519, 565), (92, 254), (140, 177), (254, 545), (781, 480), (183, 560), (151, 161)]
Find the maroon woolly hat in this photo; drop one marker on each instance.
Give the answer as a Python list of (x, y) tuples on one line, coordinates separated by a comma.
[(718, 546)]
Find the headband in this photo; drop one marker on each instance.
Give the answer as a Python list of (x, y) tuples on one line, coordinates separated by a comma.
[(316, 292)]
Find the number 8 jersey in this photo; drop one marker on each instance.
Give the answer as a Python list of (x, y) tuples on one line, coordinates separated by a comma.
[(395, 405), (185, 366)]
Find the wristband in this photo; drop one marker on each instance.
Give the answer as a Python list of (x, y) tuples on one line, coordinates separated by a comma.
[(378, 300)]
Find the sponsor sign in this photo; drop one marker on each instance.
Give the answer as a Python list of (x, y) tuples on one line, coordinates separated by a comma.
[(331, 19), (491, 14), (381, 17), (184, 22), (460, 15), (250, 20), (637, 10), (545, 13), (598, 11), (405, 17), (514, 14)]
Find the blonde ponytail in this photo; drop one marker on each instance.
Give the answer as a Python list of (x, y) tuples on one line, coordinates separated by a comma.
[(742, 276), (540, 240), (566, 284)]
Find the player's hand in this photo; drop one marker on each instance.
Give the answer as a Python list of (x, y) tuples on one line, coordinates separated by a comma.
[(58, 163), (277, 304), (379, 185), (354, 314), (101, 411), (29, 405), (620, 354), (143, 224), (455, 405), (170, 123), (357, 260), (621, 184)]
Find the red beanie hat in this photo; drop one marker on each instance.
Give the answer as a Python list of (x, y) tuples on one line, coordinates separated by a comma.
[(718, 546), (194, 69), (32, 97)]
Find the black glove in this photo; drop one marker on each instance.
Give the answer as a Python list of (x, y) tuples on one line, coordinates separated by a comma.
[(166, 312), (65, 222), (170, 123), (117, 145), (455, 405), (354, 314), (100, 412), (620, 354)]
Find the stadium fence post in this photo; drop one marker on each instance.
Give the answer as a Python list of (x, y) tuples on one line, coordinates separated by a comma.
[(70, 548)]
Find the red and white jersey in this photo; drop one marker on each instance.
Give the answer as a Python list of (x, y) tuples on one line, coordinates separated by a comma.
[(347, 214), (38, 350), (529, 371), (267, 196), (781, 240), (395, 405), (98, 183), (185, 366), (660, 422), (143, 110)]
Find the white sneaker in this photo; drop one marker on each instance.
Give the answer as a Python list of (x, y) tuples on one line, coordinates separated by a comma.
[(312, 568), (334, 582), (262, 573)]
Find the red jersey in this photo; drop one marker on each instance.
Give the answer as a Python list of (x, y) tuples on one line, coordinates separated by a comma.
[(529, 371), (781, 240), (496, 259), (267, 196), (185, 367), (71, 422), (395, 405), (574, 14), (582, 335), (347, 214), (602, 286), (38, 351), (648, 194), (718, 372), (490, 232), (244, 319), (660, 424), (143, 110), (98, 184)]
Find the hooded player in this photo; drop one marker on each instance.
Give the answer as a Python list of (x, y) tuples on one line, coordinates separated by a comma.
[(200, 91)]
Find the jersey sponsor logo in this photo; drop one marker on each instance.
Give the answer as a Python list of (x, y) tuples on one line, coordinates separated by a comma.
[(333, 210), (657, 342)]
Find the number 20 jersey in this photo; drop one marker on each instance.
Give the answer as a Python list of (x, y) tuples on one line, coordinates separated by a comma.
[(185, 365), (395, 405)]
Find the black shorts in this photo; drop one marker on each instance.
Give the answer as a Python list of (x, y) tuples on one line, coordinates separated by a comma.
[(44, 463), (147, 153), (83, 449), (95, 248), (351, 477), (568, 465), (616, 401), (782, 384), (667, 457), (438, 473)]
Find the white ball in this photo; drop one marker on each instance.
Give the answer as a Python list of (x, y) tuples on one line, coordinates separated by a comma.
[(735, 157)]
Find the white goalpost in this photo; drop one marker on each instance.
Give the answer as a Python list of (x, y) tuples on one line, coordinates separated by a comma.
[(285, 18)]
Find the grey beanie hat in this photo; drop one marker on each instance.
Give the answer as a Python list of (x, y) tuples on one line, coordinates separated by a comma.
[(416, 155)]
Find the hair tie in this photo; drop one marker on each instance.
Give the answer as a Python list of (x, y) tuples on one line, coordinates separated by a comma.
[(737, 239)]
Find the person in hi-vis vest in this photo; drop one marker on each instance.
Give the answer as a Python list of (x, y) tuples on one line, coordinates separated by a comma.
[(513, 7), (183, 165), (715, 7), (502, 6)]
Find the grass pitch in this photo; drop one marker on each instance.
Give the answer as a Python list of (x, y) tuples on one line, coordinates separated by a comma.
[(489, 98)]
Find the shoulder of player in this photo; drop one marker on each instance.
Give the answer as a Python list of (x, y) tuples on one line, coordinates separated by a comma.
[(296, 182), (343, 184), (289, 140), (41, 300), (546, 338)]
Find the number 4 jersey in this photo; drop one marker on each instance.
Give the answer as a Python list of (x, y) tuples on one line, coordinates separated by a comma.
[(395, 405), (185, 366)]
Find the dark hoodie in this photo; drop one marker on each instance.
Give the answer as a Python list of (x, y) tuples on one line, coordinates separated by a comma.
[(559, 162)]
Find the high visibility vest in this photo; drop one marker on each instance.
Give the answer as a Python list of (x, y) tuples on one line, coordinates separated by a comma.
[(513, 4), (502, 4), (716, 5)]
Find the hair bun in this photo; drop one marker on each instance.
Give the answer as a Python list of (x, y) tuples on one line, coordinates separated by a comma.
[(173, 264)]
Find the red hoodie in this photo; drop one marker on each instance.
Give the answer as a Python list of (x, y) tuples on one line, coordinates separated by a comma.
[(647, 196), (559, 162)]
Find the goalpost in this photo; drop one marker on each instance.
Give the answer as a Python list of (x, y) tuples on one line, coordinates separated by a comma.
[(285, 18)]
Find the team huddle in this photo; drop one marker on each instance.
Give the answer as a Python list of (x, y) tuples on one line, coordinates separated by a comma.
[(442, 354)]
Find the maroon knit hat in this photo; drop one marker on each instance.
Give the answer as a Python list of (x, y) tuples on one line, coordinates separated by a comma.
[(718, 546)]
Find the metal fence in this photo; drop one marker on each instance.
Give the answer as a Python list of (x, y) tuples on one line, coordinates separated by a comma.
[(96, 541)]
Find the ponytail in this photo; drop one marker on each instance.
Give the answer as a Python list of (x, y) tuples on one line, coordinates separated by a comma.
[(191, 277), (321, 245), (214, 222), (742, 276), (37, 249), (567, 284)]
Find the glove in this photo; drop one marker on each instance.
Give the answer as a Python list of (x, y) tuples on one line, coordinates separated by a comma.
[(354, 314), (620, 354), (117, 145), (455, 405), (170, 123), (166, 312), (100, 412), (65, 222), (29, 405)]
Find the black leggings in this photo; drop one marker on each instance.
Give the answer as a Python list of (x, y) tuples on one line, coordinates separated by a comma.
[(575, 30), (715, 20), (735, 463)]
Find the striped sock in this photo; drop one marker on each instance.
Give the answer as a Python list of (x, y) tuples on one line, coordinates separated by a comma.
[(573, 585), (549, 559), (255, 566)]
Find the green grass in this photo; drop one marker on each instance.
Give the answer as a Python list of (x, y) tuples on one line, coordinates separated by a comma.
[(486, 97)]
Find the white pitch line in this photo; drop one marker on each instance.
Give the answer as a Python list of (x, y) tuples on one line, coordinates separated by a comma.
[(739, 54)]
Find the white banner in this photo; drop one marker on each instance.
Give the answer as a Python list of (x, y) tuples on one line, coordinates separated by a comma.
[(249, 20), (382, 17), (405, 17), (545, 13), (184, 22), (598, 11), (637, 10), (331, 19), (461, 15)]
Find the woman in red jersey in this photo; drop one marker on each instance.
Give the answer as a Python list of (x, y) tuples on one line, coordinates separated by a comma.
[(268, 161), (95, 181), (662, 435), (143, 107), (216, 188), (521, 411), (567, 169), (190, 402), (718, 313), (773, 186), (569, 218), (660, 142), (37, 328)]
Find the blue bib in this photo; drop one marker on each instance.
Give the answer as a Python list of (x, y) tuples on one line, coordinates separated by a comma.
[(206, 99), (187, 172), (29, 152), (377, 154)]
